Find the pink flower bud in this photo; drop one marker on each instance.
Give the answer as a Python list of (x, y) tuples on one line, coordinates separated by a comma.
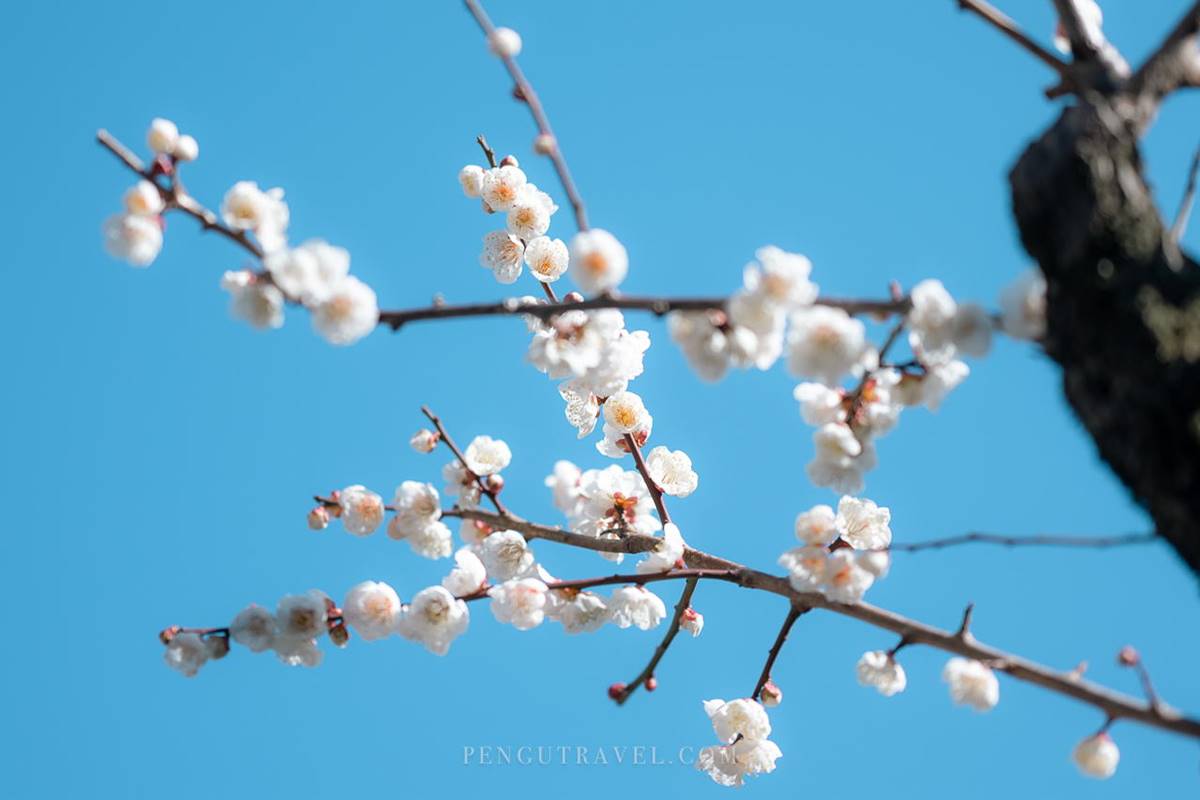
[(318, 518)]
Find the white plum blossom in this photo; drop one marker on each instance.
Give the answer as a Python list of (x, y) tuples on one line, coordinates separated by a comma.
[(461, 483), (435, 618), (824, 343), (932, 319), (501, 187), (186, 653), (1023, 306), (522, 603), (186, 148), (598, 261), (972, 683), (881, 671), (529, 215), (310, 272), (758, 327), (692, 621), (820, 404), (349, 313), (614, 445), (781, 278), (704, 344), (372, 609), (504, 42), (502, 254), (593, 348), (424, 441), (564, 486), (253, 628), (672, 471), (846, 581), (863, 524), (876, 562), (163, 136), (840, 459), (416, 503), (135, 238), (582, 409), (506, 555), (743, 718), (547, 258), (144, 198), (248, 208), (817, 526), (771, 695), (362, 510), (427, 538), (971, 330), (301, 616), (806, 567), (636, 606), (667, 554), (626, 412), (297, 651), (487, 456), (579, 612), (468, 574), (470, 178), (1097, 756), (614, 500), (728, 765), (255, 301)]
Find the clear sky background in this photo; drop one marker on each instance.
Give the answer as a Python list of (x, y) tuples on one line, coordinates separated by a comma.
[(159, 456)]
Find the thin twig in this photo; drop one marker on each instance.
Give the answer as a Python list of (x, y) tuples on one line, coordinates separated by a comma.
[(913, 632), (685, 601), (525, 91), (1006, 26), (1097, 542), (656, 493), (484, 486), (1179, 227), (793, 614)]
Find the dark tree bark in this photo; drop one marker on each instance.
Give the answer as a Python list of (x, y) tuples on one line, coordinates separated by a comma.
[(1123, 303)]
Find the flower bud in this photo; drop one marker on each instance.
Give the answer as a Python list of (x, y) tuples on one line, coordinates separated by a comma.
[(544, 144), (509, 161), (616, 690), (504, 42), (1128, 657), (167, 634), (495, 483), (318, 518), (339, 634), (692, 621), (187, 149), (651, 683), (771, 695), (424, 440), (162, 136)]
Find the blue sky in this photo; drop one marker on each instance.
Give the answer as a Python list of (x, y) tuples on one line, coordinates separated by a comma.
[(159, 455)]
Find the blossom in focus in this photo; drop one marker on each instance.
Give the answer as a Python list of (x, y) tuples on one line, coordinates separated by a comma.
[(692, 621), (743, 718), (863, 525), (362, 510), (500, 187), (372, 609), (579, 612), (636, 606), (547, 258), (672, 471), (502, 254), (470, 178), (487, 456), (520, 602), (468, 574), (435, 618), (506, 555)]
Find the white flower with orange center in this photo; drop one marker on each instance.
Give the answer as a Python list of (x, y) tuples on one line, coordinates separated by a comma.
[(522, 603), (625, 411), (547, 258), (435, 618), (470, 178), (501, 187), (362, 510), (487, 456), (599, 261), (372, 609), (825, 343), (350, 312), (502, 254)]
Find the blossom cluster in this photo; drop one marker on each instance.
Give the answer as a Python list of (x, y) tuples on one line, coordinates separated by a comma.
[(314, 274), (742, 727), (842, 553)]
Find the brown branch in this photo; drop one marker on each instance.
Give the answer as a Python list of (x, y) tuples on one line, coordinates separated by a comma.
[(685, 601), (1174, 65), (656, 493), (175, 197), (488, 152), (793, 614), (1189, 196), (912, 632), (1098, 542), (525, 91), (690, 575), (1001, 22), (658, 306), (484, 486)]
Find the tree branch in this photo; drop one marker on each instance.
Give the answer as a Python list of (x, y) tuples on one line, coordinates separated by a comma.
[(524, 91), (794, 613), (1174, 65), (1001, 22), (1049, 540), (1179, 227), (685, 600), (913, 632), (492, 493)]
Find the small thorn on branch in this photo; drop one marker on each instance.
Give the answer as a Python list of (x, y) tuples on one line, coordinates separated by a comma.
[(488, 152), (964, 628)]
